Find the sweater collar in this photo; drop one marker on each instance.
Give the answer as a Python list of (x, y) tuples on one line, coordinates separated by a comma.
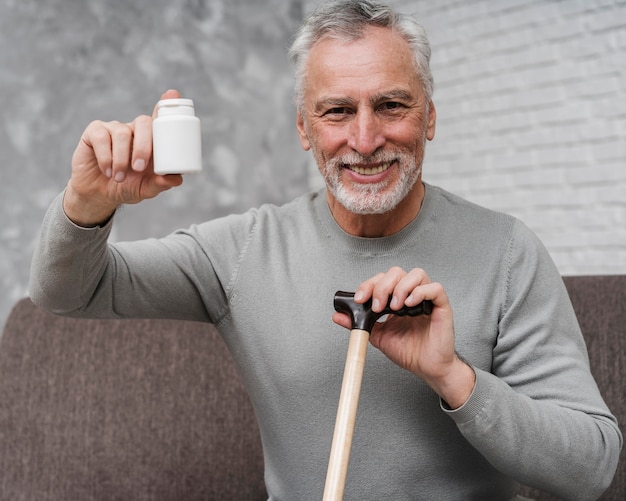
[(381, 245)]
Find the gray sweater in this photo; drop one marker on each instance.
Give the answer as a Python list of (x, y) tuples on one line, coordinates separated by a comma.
[(267, 279)]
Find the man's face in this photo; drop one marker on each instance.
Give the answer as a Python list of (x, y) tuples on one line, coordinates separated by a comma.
[(366, 119)]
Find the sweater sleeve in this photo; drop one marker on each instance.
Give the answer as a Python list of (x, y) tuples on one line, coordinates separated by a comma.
[(538, 415), (68, 261), (75, 271)]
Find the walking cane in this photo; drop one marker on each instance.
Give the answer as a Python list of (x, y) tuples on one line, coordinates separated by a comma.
[(363, 319)]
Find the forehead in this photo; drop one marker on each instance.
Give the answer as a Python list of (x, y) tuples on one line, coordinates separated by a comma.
[(379, 61)]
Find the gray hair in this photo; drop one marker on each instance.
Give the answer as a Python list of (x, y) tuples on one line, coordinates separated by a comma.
[(346, 20)]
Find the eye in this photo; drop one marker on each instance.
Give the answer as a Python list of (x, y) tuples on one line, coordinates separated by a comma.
[(391, 106), (336, 111)]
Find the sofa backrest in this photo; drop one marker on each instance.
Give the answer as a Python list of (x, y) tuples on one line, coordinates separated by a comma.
[(155, 409), (122, 410)]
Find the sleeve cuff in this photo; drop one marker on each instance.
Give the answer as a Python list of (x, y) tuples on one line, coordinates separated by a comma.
[(479, 399)]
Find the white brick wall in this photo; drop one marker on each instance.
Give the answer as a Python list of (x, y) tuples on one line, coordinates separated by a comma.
[(531, 102)]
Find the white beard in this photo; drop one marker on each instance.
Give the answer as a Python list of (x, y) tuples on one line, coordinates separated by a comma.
[(371, 198)]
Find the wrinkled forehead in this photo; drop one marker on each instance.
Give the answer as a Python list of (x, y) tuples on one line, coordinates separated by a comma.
[(379, 54)]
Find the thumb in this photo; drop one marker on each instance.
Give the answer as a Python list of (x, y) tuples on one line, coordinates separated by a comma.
[(168, 94), (342, 320)]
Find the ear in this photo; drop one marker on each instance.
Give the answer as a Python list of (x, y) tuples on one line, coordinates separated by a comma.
[(432, 120), (304, 138)]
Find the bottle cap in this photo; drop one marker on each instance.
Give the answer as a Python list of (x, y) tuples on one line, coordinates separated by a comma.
[(175, 107)]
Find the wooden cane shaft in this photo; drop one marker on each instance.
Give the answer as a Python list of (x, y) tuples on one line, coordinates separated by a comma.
[(346, 416)]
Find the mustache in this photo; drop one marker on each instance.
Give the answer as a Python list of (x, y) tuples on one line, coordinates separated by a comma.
[(354, 158)]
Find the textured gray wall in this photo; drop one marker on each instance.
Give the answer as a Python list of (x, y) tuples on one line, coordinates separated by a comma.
[(67, 62)]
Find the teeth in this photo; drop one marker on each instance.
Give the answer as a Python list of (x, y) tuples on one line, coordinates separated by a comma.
[(370, 171)]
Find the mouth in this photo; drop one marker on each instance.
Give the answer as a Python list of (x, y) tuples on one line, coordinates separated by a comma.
[(369, 170)]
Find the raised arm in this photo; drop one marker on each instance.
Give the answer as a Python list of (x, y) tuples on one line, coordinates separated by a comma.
[(74, 271)]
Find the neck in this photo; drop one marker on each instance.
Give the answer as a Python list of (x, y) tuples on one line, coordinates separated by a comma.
[(379, 225)]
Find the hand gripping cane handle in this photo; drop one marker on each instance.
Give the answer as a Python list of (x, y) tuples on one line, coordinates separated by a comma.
[(363, 319)]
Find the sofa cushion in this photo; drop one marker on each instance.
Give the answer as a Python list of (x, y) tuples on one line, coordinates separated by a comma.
[(121, 410)]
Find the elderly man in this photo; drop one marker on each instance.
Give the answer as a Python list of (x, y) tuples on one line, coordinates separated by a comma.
[(493, 388)]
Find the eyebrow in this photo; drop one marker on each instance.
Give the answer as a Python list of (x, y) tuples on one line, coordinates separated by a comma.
[(333, 102), (340, 102)]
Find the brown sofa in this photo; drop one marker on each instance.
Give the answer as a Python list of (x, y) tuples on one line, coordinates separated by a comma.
[(154, 410)]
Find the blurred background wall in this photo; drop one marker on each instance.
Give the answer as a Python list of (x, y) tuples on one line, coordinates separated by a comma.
[(531, 101)]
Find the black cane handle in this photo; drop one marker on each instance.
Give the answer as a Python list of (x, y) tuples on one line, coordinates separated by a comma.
[(364, 318)]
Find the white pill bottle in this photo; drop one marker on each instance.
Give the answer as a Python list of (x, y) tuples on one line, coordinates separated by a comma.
[(176, 138)]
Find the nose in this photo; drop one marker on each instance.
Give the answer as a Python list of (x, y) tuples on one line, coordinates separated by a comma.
[(366, 133)]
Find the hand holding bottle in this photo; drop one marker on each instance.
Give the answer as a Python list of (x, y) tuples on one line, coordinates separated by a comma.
[(113, 165)]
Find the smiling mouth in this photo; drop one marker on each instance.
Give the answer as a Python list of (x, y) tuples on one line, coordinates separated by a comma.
[(369, 171)]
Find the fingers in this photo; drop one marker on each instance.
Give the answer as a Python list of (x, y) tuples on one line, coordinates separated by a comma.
[(404, 289), (142, 143), (119, 147), (97, 139)]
